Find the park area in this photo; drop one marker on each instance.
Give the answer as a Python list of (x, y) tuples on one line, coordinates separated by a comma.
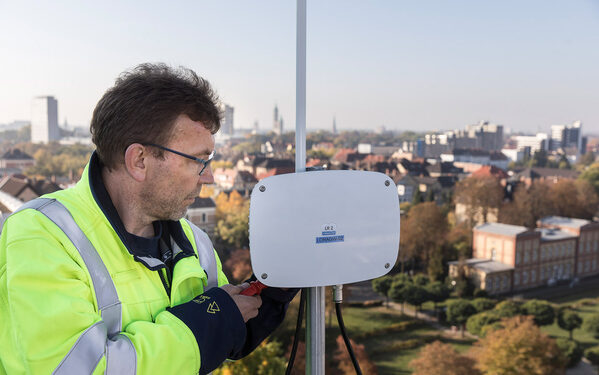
[(387, 341)]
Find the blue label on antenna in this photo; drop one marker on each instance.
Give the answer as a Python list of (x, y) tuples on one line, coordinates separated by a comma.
[(330, 239), (329, 233)]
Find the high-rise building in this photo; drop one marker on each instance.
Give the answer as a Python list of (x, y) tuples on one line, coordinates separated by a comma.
[(44, 120), (567, 136), (226, 125), (277, 125), (334, 125)]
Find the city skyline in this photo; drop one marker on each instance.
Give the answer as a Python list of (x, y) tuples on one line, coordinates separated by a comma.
[(394, 64)]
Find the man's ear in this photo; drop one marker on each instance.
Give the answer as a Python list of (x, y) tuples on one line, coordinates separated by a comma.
[(136, 162)]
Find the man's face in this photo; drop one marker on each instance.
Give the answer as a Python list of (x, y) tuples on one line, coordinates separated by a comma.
[(175, 182)]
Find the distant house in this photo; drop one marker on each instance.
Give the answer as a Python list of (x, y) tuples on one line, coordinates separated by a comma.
[(443, 169), (202, 213), (271, 167), (472, 159), (408, 185), (528, 175), (412, 167), (16, 159), (508, 258), (25, 189), (347, 157)]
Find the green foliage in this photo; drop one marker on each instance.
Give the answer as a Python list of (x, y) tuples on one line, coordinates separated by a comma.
[(483, 304), (420, 280), (477, 322), (568, 320), (591, 324), (16, 135), (415, 294), (232, 229), (479, 293), (382, 285), (458, 311), (57, 160), (541, 311), (571, 350), (266, 359), (587, 159), (507, 309), (592, 354), (437, 291), (591, 174)]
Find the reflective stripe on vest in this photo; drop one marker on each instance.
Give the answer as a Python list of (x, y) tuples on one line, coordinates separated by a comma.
[(104, 336), (205, 255)]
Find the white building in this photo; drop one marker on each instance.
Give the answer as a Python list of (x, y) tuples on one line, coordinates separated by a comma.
[(226, 126), (534, 142), (44, 120)]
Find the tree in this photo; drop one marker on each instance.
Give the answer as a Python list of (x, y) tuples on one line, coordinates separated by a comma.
[(479, 195), (483, 304), (397, 290), (571, 350), (266, 359), (458, 312), (420, 280), (477, 322), (438, 358), (423, 232), (507, 309), (437, 292), (345, 364), (415, 295), (591, 325), (591, 175), (238, 266), (542, 312), (528, 205), (568, 320), (382, 286), (232, 231), (518, 348)]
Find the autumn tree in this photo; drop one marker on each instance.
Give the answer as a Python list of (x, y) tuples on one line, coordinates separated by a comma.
[(232, 214), (438, 358), (568, 320), (238, 266), (266, 359), (574, 199), (479, 195), (346, 366), (591, 175), (458, 312), (423, 232), (518, 348)]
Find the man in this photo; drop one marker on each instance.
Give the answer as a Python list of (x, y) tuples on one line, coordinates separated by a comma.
[(119, 287)]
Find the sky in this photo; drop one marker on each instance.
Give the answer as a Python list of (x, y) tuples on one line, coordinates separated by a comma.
[(406, 65)]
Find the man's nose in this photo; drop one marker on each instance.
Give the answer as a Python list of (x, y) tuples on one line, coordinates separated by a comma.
[(206, 177)]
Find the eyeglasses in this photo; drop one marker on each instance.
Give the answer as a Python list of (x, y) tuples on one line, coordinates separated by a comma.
[(203, 162)]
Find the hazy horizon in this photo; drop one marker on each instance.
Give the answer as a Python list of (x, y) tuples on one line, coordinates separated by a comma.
[(406, 66)]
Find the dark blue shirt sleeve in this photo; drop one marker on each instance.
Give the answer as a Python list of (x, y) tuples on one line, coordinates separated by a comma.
[(272, 312), (217, 325)]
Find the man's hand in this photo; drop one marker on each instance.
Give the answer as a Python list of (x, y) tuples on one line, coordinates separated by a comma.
[(247, 305)]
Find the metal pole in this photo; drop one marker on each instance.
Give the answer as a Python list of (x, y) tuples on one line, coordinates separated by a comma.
[(315, 298)]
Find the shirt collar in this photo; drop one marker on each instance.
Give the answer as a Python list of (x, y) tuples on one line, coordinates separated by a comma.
[(143, 249)]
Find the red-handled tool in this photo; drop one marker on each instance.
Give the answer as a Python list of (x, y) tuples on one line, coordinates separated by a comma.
[(254, 288)]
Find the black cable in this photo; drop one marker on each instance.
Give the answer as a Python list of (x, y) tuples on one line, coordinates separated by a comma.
[(346, 339), (298, 327)]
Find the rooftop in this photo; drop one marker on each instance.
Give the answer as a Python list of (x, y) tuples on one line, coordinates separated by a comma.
[(502, 229), (492, 266), (560, 221), (549, 234)]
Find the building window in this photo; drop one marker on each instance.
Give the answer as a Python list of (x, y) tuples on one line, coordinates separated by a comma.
[(579, 270), (526, 256), (504, 282), (518, 256), (594, 264), (524, 277), (489, 284), (533, 276), (534, 255), (203, 217), (587, 266), (516, 278), (493, 254)]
